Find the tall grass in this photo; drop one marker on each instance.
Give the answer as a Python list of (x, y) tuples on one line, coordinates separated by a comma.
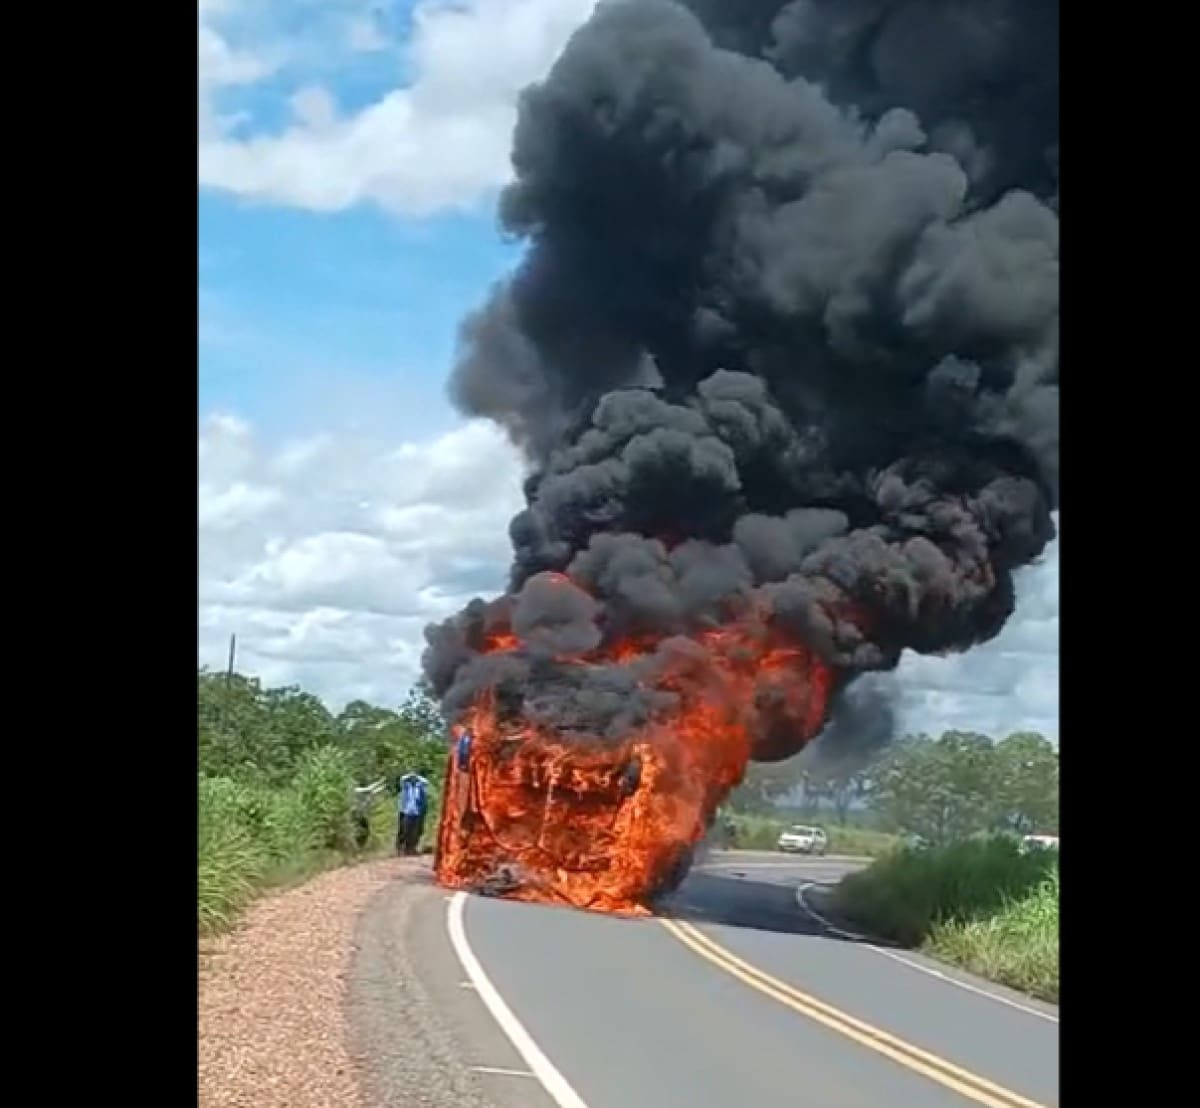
[(1018, 946), (980, 904), (252, 836), (754, 832), (231, 857), (861, 841)]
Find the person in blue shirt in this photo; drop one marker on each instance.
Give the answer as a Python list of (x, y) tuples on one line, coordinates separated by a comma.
[(462, 749), (410, 814)]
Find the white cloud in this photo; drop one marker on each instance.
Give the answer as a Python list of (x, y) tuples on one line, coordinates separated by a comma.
[(1005, 685), (328, 556), (220, 66), (363, 34), (439, 141), (314, 108), (220, 509)]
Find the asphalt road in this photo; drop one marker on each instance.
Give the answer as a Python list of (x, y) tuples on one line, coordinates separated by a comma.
[(740, 996)]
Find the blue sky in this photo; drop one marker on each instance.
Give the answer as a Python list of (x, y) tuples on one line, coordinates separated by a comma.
[(297, 310), (350, 152)]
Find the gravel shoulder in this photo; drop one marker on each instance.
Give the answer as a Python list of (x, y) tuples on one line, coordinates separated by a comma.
[(272, 1027), (396, 1027), (346, 991), (425, 1035)]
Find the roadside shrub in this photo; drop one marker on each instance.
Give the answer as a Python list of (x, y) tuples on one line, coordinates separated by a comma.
[(751, 832), (861, 841), (254, 835), (231, 859), (980, 903), (1018, 946), (322, 786), (902, 895)]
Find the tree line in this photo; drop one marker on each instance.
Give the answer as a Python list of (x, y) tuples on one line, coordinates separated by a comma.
[(248, 732), (945, 788)]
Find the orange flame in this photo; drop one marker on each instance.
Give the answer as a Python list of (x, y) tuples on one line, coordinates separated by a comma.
[(601, 824)]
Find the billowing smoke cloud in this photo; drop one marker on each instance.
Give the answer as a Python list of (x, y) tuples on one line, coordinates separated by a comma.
[(862, 723), (784, 344)]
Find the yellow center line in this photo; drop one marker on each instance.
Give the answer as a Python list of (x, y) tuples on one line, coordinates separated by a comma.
[(920, 1061)]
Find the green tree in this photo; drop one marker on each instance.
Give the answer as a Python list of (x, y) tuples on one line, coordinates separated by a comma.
[(423, 715), (940, 789), (962, 799), (359, 715), (226, 712), (296, 722), (369, 735), (841, 785), (766, 784), (1026, 784), (244, 730), (901, 786), (386, 743)]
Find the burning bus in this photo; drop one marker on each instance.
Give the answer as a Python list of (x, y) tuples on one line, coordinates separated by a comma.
[(782, 360)]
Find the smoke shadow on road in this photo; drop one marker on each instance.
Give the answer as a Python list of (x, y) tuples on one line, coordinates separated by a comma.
[(743, 902)]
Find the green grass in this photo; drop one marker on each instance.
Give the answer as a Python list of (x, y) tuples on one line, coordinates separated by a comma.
[(861, 841), (253, 837), (1018, 946), (753, 832), (980, 904)]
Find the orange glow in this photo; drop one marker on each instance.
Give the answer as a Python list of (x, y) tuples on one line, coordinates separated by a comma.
[(501, 641), (601, 823)]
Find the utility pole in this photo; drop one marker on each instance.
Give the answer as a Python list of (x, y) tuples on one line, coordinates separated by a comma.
[(228, 681)]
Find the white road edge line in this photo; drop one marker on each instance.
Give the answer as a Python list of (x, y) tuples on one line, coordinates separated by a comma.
[(543, 1069), (802, 900)]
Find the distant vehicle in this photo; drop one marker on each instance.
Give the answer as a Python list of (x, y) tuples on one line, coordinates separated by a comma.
[(915, 842), (802, 839), (1039, 842)]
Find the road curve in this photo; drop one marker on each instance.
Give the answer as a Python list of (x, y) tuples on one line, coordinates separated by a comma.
[(741, 996)]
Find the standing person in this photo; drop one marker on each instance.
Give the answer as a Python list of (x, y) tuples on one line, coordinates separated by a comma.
[(462, 749), (363, 797), (410, 815)]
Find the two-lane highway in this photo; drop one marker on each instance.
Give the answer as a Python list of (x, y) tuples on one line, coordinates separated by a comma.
[(741, 995)]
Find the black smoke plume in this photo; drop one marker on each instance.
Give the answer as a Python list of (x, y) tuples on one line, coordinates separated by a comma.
[(862, 722), (785, 337)]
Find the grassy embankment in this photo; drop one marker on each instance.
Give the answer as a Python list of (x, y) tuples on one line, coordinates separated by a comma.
[(979, 904), (753, 832), (254, 837)]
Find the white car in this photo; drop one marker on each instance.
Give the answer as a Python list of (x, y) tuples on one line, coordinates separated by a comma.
[(1039, 842), (799, 839)]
